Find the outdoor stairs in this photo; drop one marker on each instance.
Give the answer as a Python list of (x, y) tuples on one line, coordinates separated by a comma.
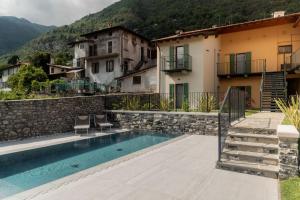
[(251, 151), (274, 87)]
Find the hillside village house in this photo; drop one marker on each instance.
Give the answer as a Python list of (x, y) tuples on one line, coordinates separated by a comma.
[(111, 53), (260, 56), (7, 72), (65, 72), (187, 64)]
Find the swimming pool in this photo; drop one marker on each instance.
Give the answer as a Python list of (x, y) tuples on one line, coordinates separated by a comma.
[(25, 170)]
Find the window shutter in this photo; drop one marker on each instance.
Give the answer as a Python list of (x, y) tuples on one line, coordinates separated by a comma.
[(171, 55), (232, 64), (171, 92), (248, 62), (186, 56), (186, 91)]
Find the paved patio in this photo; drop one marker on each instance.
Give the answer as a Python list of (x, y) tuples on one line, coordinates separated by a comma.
[(181, 170), (266, 120)]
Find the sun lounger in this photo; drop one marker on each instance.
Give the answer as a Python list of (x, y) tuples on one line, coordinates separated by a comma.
[(101, 121), (82, 123)]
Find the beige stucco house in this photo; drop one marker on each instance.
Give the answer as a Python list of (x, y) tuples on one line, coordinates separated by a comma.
[(187, 63)]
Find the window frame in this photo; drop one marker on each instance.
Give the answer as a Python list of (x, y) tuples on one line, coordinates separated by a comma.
[(95, 68), (136, 81), (110, 47), (285, 47), (110, 66)]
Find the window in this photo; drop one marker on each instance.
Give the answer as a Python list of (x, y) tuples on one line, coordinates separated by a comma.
[(109, 66), (137, 80), (62, 70), (93, 50), (109, 47), (180, 57), (125, 66), (95, 68), (110, 33), (52, 70), (78, 63), (285, 49), (81, 46)]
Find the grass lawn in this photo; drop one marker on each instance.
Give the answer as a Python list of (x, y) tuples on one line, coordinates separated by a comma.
[(251, 112), (290, 189)]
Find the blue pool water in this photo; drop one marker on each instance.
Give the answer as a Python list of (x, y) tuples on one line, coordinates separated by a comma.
[(25, 170)]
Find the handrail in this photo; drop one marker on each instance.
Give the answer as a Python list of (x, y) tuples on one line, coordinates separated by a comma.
[(232, 108)]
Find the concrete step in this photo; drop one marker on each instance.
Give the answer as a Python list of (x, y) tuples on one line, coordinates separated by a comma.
[(258, 131), (253, 157), (252, 147), (265, 170), (249, 137)]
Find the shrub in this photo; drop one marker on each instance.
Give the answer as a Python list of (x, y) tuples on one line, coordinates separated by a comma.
[(186, 106), (207, 103), (291, 110)]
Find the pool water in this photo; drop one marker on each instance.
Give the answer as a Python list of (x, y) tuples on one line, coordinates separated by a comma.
[(25, 170)]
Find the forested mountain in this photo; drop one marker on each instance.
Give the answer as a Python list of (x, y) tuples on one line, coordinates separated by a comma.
[(157, 18), (15, 32)]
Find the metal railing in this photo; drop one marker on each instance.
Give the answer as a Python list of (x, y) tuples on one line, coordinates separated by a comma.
[(184, 63), (242, 68), (194, 102), (295, 59), (232, 109)]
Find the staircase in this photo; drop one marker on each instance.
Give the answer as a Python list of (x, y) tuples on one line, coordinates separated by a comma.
[(274, 87), (251, 151)]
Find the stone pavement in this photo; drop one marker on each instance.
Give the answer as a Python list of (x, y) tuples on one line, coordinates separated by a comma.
[(265, 120)]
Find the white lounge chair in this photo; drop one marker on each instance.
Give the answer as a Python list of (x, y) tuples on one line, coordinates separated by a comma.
[(82, 123), (101, 121)]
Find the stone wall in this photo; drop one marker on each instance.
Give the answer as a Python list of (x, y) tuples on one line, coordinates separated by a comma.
[(288, 151), (31, 118), (170, 122)]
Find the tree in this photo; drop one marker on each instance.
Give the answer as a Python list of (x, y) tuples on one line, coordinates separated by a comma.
[(63, 58), (22, 81), (13, 60), (41, 59)]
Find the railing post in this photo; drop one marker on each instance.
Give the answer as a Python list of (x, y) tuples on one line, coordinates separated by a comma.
[(207, 102), (219, 138), (229, 106), (149, 102)]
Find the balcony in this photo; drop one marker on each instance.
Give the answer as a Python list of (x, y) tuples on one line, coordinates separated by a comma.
[(242, 68), (182, 64)]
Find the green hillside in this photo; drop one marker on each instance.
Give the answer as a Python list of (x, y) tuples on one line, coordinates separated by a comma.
[(157, 18), (15, 32)]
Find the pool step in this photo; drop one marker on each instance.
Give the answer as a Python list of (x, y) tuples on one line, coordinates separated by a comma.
[(265, 170)]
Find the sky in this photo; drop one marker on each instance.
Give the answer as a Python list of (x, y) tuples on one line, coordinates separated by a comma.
[(52, 12)]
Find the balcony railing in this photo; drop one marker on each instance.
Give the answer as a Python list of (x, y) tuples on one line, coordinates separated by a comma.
[(295, 59), (183, 63), (242, 67)]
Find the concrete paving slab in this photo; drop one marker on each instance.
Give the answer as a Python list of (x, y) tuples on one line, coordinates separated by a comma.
[(180, 170)]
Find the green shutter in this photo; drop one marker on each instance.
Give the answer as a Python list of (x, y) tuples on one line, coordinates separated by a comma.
[(248, 62), (171, 55), (232, 64), (171, 96), (186, 91), (186, 57)]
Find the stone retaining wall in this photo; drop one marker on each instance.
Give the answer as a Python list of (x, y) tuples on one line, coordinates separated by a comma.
[(289, 151), (31, 118), (170, 122)]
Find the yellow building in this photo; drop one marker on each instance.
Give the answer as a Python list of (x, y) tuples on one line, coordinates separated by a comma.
[(260, 56)]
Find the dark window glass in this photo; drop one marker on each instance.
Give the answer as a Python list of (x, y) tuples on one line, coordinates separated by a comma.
[(285, 49), (109, 47), (95, 68), (137, 80), (109, 66)]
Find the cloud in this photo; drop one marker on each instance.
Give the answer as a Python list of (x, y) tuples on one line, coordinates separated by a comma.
[(52, 12)]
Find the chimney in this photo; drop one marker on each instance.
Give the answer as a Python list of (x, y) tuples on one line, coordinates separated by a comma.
[(278, 14)]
